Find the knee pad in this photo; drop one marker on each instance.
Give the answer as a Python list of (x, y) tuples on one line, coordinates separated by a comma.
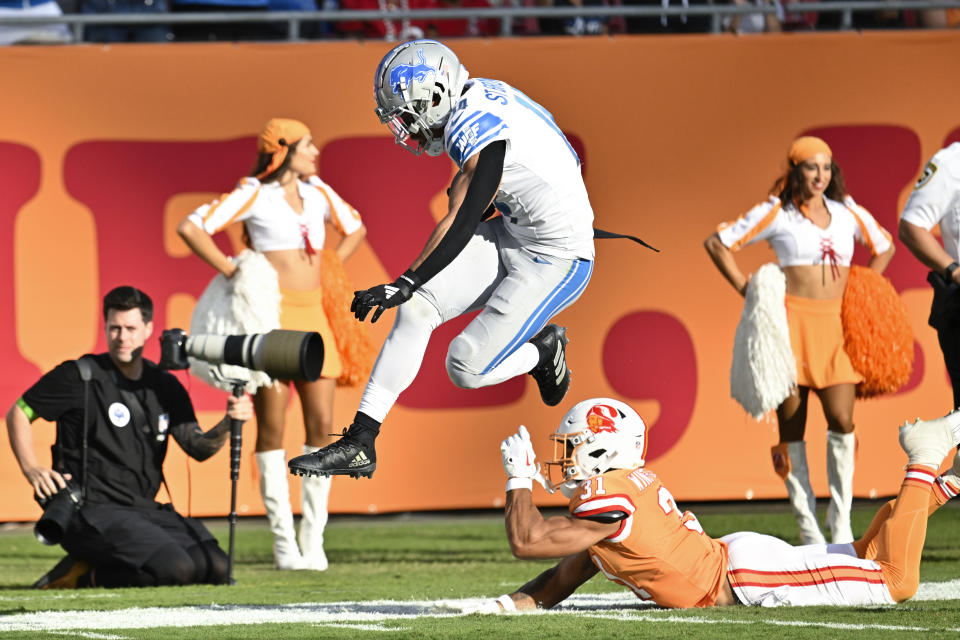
[(460, 367)]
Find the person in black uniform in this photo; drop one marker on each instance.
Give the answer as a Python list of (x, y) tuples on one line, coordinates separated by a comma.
[(120, 536)]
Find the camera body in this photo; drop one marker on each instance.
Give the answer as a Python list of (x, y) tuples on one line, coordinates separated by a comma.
[(58, 509), (173, 349)]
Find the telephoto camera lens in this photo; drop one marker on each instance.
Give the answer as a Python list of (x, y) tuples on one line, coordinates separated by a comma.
[(281, 353)]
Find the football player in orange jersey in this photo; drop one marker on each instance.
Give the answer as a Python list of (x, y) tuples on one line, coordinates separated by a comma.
[(624, 523)]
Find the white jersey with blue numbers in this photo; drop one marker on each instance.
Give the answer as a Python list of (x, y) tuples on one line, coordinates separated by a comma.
[(542, 196)]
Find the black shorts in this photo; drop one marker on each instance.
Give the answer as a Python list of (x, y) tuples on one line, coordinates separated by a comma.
[(110, 535), (945, 318)]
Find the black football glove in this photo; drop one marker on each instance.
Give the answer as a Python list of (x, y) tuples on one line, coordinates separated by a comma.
[(384, 296)]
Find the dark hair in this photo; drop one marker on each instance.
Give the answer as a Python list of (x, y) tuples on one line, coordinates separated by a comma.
[(789, 187), (264, 159), (126, 298)]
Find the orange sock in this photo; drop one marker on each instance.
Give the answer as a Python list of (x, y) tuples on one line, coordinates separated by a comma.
[(901, 536), (866, 546)]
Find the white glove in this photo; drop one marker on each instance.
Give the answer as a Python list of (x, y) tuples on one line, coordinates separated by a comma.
[(520, 461)]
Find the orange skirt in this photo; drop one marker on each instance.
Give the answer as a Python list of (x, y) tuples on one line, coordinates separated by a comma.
[(816, 336), (303, 311)]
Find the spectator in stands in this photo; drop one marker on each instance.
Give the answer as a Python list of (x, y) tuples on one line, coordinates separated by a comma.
[(389, 30), (795, 21), (222, 31), (309, 30), (770, 22), (884, 19), (584, 25), (126, 32), (938, 18), (528, 25), (32, 33), (576, 25), (683, 23), (460, 27), (280, 29)]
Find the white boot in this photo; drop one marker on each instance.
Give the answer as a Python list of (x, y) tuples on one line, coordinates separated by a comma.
[(790, 462), (276, 498), (315, 492), (840, 453)]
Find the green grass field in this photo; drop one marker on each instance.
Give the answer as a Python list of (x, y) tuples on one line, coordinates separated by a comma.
[(389, 576)]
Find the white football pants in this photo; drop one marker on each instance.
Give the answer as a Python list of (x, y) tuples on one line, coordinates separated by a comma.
[(768, 572), (517, 291)]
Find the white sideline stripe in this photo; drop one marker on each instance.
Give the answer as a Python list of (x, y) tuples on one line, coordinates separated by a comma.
[(63, 595), (353, 614), (362, 627), (371, 615), (782, 623), (87, 634)]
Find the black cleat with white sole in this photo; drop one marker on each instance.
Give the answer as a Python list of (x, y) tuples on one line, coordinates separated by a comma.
[(551, 372), (345, 457)]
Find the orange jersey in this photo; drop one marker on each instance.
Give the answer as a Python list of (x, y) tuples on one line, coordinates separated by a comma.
[(659, 553)]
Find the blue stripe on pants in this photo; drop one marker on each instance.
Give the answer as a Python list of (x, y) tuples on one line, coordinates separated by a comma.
[(569, 289)]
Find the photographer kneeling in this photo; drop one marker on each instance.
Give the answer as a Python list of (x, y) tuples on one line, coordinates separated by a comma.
[(119, 536)]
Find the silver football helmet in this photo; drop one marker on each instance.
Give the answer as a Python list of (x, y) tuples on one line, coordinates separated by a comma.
[(595, 436), (416, 87)]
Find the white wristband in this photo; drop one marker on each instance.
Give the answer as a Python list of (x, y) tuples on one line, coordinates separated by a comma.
[(519, 483), (507, 603)]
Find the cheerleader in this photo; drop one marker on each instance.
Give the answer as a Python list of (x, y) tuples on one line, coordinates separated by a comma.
[(811, 223), (284, 207)]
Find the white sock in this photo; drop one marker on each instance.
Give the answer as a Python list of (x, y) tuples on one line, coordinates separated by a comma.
[(400, 357), (377, 401), (517, 363)]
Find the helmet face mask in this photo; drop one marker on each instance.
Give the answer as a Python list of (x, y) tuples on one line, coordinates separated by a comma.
[(416, 87), (595, 436), (410, 132)]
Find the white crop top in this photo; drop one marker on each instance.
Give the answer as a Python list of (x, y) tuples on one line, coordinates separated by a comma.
[(271, 222), (798, 241)]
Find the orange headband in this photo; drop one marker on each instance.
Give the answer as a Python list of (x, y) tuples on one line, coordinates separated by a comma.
[(276, 138), (805, 148)]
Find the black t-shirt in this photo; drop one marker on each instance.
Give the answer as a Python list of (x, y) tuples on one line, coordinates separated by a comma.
[(128, 426)]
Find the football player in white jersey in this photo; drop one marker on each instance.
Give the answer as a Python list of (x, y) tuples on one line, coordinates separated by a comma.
[(519, 269), (936, 200)]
